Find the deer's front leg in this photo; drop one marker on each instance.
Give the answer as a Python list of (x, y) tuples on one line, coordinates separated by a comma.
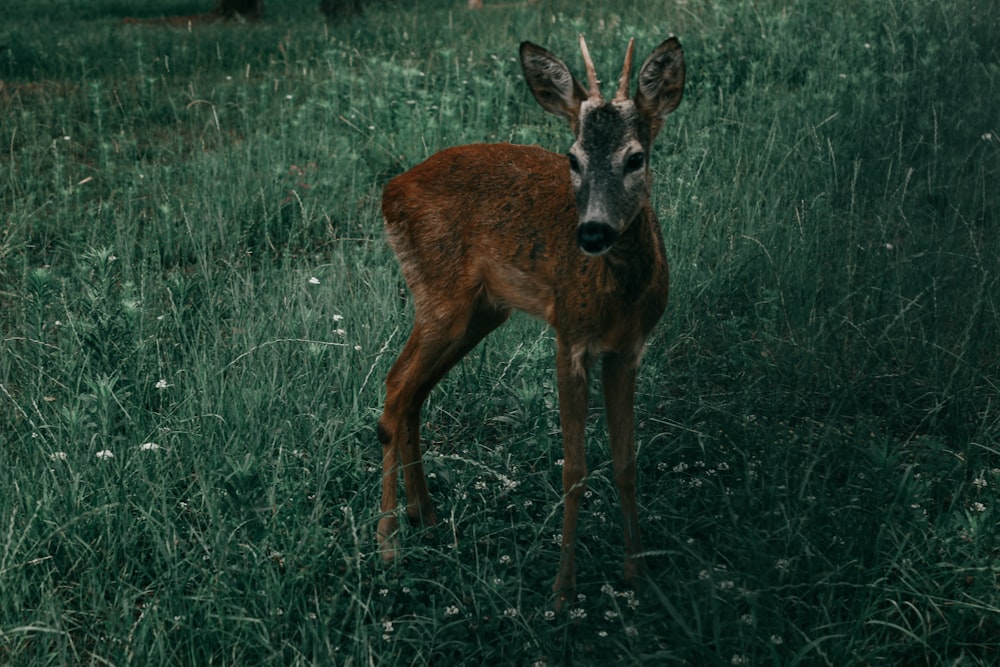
[(618, 379), (572, 380)]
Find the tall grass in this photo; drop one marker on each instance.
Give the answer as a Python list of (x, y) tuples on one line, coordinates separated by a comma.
[(197, 311)]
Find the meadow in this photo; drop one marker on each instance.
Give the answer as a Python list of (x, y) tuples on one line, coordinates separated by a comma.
[(198, 309)]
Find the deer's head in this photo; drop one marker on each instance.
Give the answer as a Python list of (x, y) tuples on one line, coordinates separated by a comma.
[(609, 161)]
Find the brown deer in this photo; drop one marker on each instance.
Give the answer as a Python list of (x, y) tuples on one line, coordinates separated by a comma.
[(483, 230)]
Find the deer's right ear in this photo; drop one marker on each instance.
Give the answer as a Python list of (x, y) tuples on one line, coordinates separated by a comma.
[(661, 83), (551, 83)]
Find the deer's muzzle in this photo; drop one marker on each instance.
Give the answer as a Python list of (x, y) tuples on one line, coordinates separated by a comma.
[(595, 238)]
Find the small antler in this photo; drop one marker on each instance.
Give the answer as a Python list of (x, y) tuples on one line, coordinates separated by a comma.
[(595, 85), (623, 82)]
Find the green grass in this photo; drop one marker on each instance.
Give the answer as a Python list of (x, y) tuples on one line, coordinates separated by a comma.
[(191, 255)]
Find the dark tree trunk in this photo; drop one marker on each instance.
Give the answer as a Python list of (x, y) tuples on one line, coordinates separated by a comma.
[(335, 9), (248, 9)]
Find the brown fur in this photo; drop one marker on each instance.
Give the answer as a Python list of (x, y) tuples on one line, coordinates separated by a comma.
[(486, 229)]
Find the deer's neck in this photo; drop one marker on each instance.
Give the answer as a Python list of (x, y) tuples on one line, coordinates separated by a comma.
[(636, 263)]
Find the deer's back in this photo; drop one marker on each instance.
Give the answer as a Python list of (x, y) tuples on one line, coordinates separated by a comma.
[(501, 217), (464, 194)]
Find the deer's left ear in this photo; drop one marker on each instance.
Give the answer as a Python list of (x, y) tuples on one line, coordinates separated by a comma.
[(552, 83), (661, 83)]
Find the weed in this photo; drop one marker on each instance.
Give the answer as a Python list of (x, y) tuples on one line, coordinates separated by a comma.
[(197, 310)]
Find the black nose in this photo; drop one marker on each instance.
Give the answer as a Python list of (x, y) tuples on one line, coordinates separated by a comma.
[(595, 238)]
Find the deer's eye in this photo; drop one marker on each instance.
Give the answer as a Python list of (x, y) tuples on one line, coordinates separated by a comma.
[(635, 162), (574, 164)]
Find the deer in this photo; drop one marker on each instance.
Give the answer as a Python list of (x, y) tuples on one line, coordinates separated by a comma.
[(485, 229)]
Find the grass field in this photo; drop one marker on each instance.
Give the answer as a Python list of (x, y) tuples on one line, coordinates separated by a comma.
[(198, 309)]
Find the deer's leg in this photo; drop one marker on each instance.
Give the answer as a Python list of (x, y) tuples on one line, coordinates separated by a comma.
[(398, 425), (618, 377), (433, 348), (573, 381)]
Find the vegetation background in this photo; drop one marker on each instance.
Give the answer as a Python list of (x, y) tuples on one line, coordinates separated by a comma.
[(198, 308)]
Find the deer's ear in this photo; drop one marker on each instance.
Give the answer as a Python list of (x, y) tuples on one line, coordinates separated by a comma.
[(551, 83), (661, 83)]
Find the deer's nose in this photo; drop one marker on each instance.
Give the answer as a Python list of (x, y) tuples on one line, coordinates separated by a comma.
[(595, 238)]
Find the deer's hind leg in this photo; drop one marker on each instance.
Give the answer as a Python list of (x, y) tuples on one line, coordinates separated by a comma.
[(435, 345)]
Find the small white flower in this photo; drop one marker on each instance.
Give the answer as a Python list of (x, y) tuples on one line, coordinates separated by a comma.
[(58, 456), (161, 384), (549, 615), (505, 559), (577, 614), (451, 611), (338, 318), (105, 454), (149, 446), (979, 508), (510, 613), (314, 280)]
